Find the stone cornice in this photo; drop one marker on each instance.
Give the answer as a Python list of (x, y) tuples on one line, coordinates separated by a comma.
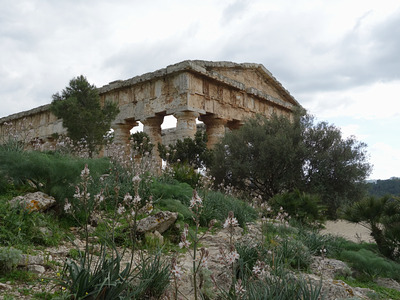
[(208, 69), (26, 113), (205, 68)]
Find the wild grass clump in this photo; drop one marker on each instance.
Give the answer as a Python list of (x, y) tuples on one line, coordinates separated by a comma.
[(283, 286), (175, 206), (48, 172), (22, 228), (371, 265), (316, 242), (172, 189), (217, 206)]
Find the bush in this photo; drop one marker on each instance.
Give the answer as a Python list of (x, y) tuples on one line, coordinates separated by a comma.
[(9, 258), (104, 279), (248, 257), (185, 173), (287, 288), (269, 156), (305, 208), (192, 152)]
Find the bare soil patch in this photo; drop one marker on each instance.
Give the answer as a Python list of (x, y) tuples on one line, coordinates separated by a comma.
[(349, 231)]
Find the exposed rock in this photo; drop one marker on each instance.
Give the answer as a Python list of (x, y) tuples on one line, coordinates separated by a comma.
[(159, 222), (329, 268), (37, 269), (338, 289), (31, 260), (5, 287), (37, 201), (45, 231), (388, 283), (156, 236)]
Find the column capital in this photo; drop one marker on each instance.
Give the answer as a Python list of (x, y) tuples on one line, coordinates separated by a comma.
[(213, 119), (215, 128), (153, 121), (186, 114)]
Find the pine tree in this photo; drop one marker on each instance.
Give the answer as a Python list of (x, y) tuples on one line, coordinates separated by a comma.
[(79, 107)]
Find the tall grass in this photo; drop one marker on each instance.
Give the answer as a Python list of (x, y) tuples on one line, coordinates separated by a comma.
[(217, 206), (51, 173)]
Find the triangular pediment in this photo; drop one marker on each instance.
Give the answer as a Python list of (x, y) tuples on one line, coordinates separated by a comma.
[(251, 75)]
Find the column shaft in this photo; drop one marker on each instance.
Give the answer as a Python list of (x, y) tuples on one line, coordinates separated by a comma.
[(152, 127), (186, 124), (215, 128)]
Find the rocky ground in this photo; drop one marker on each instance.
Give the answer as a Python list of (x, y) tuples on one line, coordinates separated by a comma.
[(48, 263)]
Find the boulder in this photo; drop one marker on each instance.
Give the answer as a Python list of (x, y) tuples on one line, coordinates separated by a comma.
[(37, 201), (37, 269), (329, 268), (39, 259), (337, 289), (388, 283), (5, 287), (160, 222)]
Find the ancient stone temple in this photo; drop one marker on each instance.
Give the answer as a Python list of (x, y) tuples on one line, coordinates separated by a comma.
[(220, 94)]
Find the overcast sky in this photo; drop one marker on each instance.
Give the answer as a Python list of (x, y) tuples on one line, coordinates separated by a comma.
[(339, 59)]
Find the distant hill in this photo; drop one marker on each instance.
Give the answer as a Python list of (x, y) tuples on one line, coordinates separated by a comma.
[(380, 188)]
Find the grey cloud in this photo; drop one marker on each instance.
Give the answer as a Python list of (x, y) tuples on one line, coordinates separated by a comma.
[(290, 48), (234, 10)]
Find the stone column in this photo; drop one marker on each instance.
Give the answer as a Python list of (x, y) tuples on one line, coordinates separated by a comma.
[(215, 128), (152, 127), (186, 124), (122, 133)]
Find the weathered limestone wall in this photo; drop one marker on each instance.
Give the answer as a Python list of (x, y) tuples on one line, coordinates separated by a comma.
[(171, 135), (37, 124), (220, 94)]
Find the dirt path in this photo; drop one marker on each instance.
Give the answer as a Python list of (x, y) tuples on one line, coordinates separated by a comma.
[(350, 231)]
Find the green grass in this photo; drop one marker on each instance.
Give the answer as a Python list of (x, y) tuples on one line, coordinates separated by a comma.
[(371, 264), (217, 206), (19, 276), (384, 293)]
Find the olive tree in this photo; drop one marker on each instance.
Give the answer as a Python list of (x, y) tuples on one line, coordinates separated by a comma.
[(269, 156)]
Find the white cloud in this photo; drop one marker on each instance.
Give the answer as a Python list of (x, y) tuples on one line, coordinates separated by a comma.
[(386, 160), (379, 100), (338, 58)]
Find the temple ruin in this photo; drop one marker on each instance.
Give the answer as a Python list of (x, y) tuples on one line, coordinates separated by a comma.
[(220, 94)]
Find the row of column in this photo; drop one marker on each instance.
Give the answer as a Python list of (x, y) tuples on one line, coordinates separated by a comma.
[(185, 127)]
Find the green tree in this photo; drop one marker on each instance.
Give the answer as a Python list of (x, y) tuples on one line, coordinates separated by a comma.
[(79, 107), (385, 187), (266, 157), (263, 158), (334, 167)]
